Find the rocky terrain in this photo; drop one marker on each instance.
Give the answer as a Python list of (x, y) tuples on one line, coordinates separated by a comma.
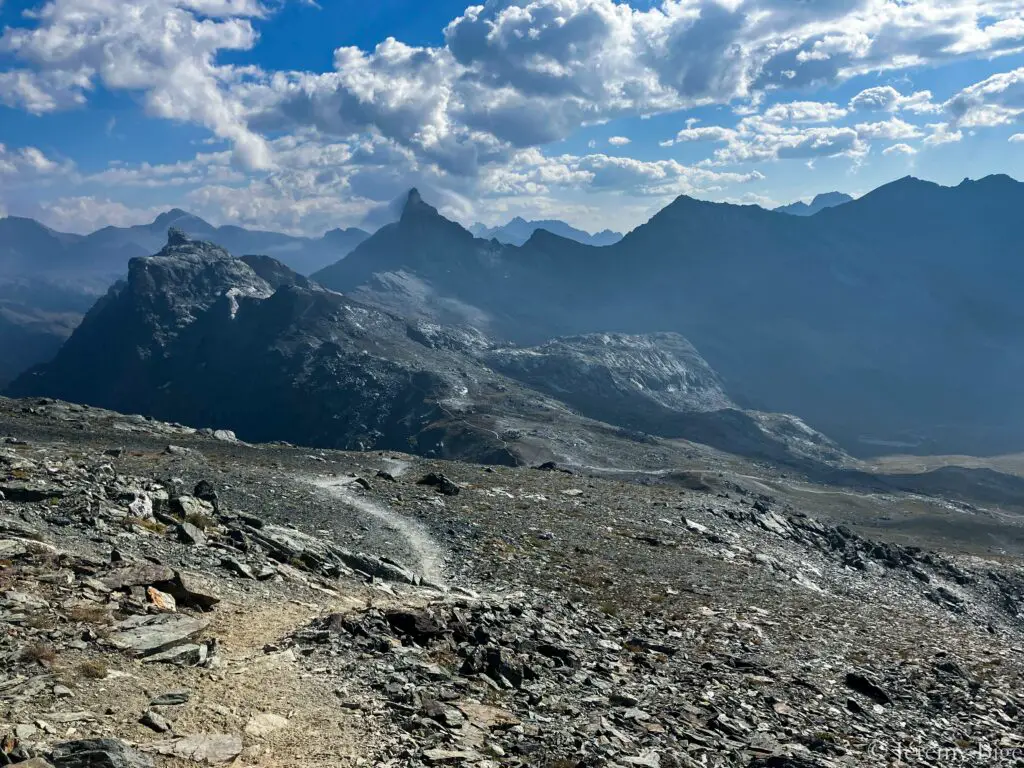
[(198, 336), (174, 597), (49, 279)]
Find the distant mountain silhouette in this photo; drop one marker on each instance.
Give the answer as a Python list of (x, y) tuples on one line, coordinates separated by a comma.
[(819, 203), (894, 317), (519, 230)]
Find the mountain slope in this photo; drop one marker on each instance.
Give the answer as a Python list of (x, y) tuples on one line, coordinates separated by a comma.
[(198, 336), (819, 203), (518, 231), (891, 318), (49, 279)]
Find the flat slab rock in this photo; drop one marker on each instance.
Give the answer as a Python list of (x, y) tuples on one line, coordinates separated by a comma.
[(145, 635), (97, 753), (208, 748)]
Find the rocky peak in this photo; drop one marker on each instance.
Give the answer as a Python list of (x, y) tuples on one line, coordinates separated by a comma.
[(177, 237), (416, 207)]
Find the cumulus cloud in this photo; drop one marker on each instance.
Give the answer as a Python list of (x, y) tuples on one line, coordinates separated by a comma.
[(163, 49), (466, 116), (996, 100), (86, 214), (891, 129), (942, 133), (885, 98), (520, 73), (899, 149), (1016, 138), (30, 164), (619, 141), (804, 112)]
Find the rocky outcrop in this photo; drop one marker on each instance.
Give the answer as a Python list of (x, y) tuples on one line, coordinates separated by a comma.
[(197, 336)]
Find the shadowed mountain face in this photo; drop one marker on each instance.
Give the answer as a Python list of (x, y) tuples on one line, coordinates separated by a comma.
[(518, 231), (819, 203), (892, 319), (48, 279), (198, 336)]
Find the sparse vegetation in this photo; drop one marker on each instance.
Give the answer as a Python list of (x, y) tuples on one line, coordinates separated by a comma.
[(94, 669), (89, 614), (39, 653), (200, 521), (148, 525)]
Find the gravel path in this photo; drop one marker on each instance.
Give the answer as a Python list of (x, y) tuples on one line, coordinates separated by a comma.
[(428, 556)]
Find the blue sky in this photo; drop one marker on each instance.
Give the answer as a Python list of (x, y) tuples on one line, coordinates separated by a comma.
[(303, 116)]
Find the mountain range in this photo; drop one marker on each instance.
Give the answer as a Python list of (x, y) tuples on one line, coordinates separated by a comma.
[(201, 337), (891, 320), (819, 203), (887, 322), (519, 230)]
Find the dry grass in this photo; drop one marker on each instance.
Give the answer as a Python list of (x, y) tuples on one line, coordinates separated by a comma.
[(89, 614), (200, 521), (40, 621), (93, 669), (149, 525), (39, 653)]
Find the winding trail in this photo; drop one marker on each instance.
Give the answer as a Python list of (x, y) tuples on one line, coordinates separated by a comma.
[(428, 553)]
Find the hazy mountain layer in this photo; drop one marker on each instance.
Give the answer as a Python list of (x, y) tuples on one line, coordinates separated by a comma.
[(819, 203), (518, 231), (892, 319), (200, 337)]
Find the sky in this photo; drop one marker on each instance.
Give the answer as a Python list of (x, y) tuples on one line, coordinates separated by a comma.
[(303, 116)]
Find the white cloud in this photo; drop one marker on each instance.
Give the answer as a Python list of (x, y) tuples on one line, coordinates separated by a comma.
[(164, 49), (804, 112), (86, 214), (520, 73), (942, 134), (885, 98), (899, 149), (1016, 138), (619, 141), (30, 164), (996, 100), (891, 130), (465, 117)]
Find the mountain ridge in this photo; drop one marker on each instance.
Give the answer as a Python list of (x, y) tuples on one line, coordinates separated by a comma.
[(864, 325), (198, 336), (820, 202), (518, 230)]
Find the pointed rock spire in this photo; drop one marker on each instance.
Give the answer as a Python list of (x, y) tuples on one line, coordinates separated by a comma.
[(414, 204)]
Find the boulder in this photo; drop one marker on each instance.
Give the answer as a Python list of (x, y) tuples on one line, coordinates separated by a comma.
[(97, 753), (146, 635)]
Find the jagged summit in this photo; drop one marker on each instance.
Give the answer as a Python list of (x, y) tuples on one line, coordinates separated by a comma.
[(177, 237), (415, 206)]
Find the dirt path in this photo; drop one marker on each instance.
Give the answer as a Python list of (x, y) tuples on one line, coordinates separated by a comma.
[(428, 554)]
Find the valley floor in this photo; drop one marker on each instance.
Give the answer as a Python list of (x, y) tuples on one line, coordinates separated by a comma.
[(332, 610)]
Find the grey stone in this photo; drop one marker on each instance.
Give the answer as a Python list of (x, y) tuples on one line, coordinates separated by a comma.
[(209, 748), (171, 699), (155, 721), (146, 635), (97, 753), (190, 534)]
